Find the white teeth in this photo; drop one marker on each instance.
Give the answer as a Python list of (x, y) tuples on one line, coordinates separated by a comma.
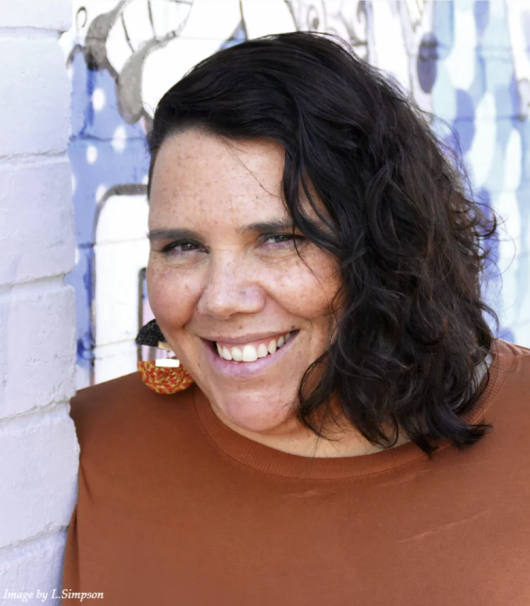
[(262, 350), (272, 346), (237, 354), (249, 353)]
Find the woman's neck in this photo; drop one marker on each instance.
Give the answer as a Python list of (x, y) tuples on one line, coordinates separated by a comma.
[(301, 441)]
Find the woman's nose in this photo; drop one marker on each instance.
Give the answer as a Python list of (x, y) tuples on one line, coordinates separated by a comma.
[(231, 288)]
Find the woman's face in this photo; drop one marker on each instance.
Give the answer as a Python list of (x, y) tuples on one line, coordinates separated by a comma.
[(218, 273)]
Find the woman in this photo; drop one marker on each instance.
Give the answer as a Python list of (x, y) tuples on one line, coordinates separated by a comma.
[(315, 266)]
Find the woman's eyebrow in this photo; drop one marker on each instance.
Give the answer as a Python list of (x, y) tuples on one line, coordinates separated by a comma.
[(260, 227), (165, 233), (266, 226)]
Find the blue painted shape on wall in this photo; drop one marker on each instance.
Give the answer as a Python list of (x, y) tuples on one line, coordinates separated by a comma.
[(99, 160)]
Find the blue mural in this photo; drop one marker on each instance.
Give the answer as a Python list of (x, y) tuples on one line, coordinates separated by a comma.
[(481, 100), (105, 152)]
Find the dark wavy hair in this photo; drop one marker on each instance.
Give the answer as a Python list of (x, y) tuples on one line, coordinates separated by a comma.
[(407, 234)]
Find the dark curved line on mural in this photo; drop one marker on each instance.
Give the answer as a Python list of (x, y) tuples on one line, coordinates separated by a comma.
[(291, 10), (80, 10), (123, 189), (149, 10), (243, 24), (126, 32)]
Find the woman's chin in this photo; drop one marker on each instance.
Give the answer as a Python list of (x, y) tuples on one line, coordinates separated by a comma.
[(254, 417)]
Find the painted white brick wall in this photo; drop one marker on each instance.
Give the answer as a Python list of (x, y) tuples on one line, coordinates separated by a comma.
[(34, 105), (39, 452), (35, 218)]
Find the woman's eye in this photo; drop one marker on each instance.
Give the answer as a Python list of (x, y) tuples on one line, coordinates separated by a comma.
[(283, 238), (180, 247)]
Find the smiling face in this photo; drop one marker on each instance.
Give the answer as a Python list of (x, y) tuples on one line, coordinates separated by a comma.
[(216, 274)]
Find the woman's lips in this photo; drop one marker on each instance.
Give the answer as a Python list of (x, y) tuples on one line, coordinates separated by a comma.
[(232, 369)]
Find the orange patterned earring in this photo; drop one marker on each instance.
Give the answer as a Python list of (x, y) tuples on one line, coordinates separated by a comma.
[(165, 375)]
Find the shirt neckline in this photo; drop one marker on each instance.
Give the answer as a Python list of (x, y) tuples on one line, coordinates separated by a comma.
[(276, 462)]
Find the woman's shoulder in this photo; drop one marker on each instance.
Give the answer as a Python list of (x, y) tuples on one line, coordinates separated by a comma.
[(513, 360), (511, 349), (115, 413)]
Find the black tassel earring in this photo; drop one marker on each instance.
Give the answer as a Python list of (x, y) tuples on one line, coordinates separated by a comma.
[(151, 335)]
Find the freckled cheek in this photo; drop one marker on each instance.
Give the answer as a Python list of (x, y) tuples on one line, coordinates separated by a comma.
[(171, 295), (311, 305), (308, 295)]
